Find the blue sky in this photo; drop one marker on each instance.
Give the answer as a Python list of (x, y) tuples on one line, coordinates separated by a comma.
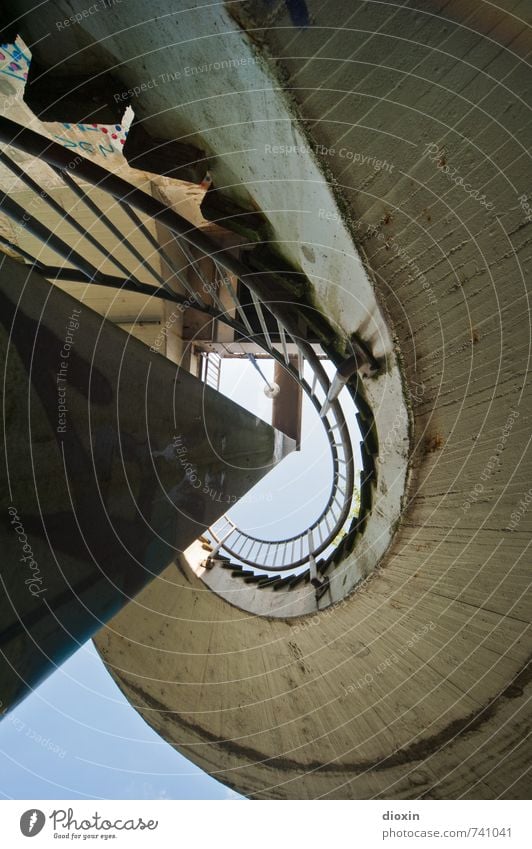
[(306, 473), (76, 736)]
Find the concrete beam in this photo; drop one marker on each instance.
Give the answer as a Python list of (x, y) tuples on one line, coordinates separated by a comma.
[(115, 460)]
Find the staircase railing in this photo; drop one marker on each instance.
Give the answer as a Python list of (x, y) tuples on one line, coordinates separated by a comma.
[(228, 542)]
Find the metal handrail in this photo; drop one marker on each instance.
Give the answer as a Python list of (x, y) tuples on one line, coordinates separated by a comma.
[(339, 520), (334, 515)]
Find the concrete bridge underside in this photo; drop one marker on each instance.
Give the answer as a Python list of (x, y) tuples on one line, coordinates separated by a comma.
[(416, 684)]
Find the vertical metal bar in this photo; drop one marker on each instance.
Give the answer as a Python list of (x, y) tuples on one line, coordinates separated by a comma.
[(177, 272), (310, 541), (207, 285), (262, 321), (300, 364), (314, 580), (101, 216), (17, 249), (229, 286), (261, 546), (220, 544), (62, 213), (244, 540), (282, 334), (40, 231)]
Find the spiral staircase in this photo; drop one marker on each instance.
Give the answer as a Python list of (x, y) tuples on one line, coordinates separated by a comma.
[(384, 655)]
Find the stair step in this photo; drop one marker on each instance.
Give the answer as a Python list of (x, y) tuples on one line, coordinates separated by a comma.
[(303, 577), (252, 578), (267, 582)]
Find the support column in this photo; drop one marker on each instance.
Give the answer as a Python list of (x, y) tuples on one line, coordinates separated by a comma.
[(114, 459)]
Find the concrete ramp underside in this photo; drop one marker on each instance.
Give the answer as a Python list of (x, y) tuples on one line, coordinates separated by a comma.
[(114, 460)]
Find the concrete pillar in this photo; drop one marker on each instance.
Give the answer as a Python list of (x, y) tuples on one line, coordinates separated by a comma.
[(114, 460), (287, 407)]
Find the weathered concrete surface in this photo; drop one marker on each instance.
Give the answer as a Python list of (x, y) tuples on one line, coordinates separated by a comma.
[(113, 460), (361, 702), (224, 87), (415, 684), (201, 82), (144, 318)]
